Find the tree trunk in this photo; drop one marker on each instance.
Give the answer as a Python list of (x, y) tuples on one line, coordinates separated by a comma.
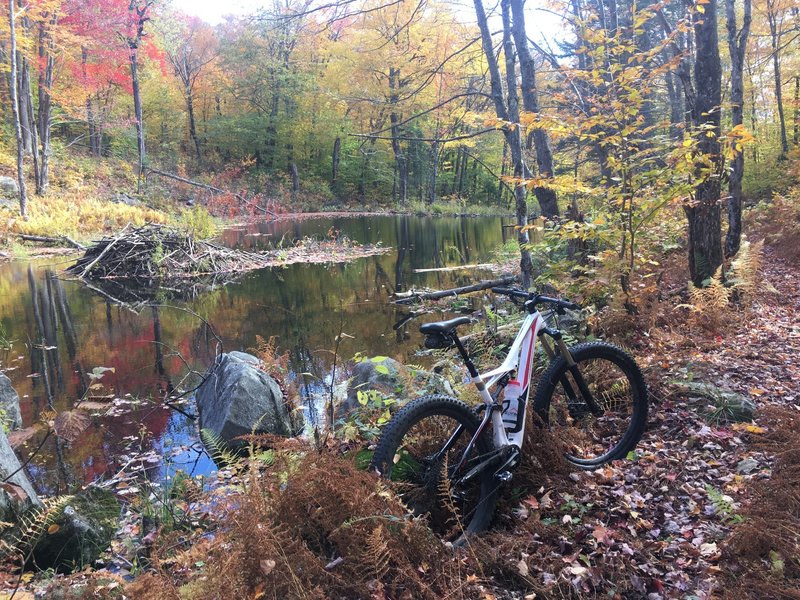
[(514, 136), (737, 43), (192, 127), (23, 86), (337, 148), (137, 110), (434, 172), (45, 105), (775, 38), (508, 113), (705, 247), (548, 201), (675, 107), (23, 193), (26, 99), (400, 157), (796, 110)]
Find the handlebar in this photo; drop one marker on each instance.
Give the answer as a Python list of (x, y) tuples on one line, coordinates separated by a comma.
[(535, 299)]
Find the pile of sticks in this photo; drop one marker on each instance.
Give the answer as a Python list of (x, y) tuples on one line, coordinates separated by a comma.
[(154, 253)]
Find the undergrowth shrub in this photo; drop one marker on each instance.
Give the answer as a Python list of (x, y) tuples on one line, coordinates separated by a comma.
[(75, 215), (311, 525), (197, 223), (741, 283)]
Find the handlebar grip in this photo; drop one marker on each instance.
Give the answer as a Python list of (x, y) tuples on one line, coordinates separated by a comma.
[(511, 292)]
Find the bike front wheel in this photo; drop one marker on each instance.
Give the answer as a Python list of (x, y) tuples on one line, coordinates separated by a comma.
[(423, 452), (598, 407)]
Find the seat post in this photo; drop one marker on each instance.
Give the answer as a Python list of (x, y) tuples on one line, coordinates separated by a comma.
[(467, 360)]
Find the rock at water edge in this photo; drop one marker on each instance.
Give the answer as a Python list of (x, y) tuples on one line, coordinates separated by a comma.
[(238, 398)]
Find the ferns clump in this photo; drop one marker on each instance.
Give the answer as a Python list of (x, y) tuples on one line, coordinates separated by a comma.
[(742, 282), (325, 530)]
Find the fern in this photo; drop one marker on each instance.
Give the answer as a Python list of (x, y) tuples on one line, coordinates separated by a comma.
[(218, 450), (723, 505), (711, 298), (377, 554), (34, 524)]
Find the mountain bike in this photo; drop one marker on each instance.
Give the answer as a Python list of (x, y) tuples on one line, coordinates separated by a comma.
[(448, 460)]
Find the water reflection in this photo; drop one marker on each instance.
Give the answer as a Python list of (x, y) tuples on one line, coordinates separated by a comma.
[(62, 330)]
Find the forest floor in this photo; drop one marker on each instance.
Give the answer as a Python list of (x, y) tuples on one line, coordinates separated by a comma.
[(707, 508)]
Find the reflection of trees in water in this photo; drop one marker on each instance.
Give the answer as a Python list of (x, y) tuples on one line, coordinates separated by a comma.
[(300, 304)]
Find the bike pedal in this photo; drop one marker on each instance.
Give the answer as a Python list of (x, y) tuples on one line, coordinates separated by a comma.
[(504, 476)]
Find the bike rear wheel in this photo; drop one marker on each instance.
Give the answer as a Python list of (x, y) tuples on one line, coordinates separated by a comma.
[(420, 451), (609, 425)]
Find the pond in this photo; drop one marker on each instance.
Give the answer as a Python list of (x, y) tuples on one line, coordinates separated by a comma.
[(60, 331)]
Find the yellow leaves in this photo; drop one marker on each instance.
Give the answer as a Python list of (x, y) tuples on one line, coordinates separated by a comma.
[(748, 428), (735, 141)]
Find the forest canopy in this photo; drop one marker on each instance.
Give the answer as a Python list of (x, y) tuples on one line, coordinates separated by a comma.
[(616, 116)]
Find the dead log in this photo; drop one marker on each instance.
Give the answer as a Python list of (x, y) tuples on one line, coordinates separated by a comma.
[(212, 188), (412, 296), (52, 240)]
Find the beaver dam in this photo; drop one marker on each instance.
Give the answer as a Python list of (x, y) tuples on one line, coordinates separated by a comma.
[(142, 263)]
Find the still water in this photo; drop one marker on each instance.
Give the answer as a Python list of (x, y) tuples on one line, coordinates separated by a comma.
[(60, 331)]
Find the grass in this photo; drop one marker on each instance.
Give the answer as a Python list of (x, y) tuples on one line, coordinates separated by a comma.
[(78, 216), (451, 206), (79, 204)]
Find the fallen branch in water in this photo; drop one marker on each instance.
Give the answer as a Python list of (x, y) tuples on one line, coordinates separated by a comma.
[(214, 189), (456, 268), (412, 296)]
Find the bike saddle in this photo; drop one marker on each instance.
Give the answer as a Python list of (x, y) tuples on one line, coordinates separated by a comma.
[(443, 326)]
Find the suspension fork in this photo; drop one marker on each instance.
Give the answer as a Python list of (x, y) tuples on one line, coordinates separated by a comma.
[(572, 366)]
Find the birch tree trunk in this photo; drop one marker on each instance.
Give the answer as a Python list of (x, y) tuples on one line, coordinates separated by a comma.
[(23, 194), (137, 112), (44, 124)]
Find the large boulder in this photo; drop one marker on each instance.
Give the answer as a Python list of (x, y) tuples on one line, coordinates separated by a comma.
[(238, 398), (10, 415), (9, 187), (392, 379), (80, 533)]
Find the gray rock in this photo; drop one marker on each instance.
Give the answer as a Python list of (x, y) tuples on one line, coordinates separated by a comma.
[(747, 466), (122, 198), (238, 398), (85, 529), (17, 494), (392, 379), (10, 415), (9, 187)]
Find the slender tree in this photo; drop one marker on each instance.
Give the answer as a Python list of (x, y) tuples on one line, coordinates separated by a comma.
[(15, 109), (190, 50), (737, 43), (775, 20), (507, 111), (139, 15)]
